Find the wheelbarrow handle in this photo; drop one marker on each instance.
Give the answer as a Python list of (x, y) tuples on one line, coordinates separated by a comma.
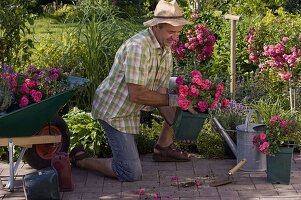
[(237, 167)]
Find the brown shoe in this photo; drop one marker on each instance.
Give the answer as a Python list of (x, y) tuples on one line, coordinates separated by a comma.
[(170, 154)]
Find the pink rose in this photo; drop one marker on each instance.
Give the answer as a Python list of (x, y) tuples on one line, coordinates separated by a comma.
[(194, 91), (262, 136), (202, 106), (30, 83), (283, 123), (183, 90), (225, 103), (275, 118), (179, 80), (196, 73), (183, 103), (24, 89), (23, 102), (36, 95)]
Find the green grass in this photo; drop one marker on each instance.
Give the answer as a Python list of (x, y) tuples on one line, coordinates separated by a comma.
[(44, 26)]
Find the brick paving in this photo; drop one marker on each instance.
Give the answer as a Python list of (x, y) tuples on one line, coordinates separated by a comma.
[(173, 181)]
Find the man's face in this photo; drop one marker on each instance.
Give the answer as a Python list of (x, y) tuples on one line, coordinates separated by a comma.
[(166, 33)]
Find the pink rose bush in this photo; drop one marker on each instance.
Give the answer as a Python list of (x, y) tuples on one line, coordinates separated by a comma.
[(200, 93), (283, 57), (197, 43), (34, 85), (281, 132), (194, 48)]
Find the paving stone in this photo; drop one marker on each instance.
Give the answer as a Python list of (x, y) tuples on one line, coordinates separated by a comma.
[(287, 192), (72, 196), (157, 180), (228, 193)]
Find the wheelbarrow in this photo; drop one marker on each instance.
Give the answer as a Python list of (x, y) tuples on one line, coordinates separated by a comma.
[(38, 129)]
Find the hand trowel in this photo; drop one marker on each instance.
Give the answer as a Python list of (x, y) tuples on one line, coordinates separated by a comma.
[(230, 173)]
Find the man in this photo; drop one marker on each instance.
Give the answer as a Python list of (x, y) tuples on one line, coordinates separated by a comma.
[(138, 80)]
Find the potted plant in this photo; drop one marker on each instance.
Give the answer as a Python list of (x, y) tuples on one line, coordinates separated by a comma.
[(278, 143), (200, 94)]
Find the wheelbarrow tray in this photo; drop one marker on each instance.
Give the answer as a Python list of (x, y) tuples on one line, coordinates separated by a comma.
[(29, 120)]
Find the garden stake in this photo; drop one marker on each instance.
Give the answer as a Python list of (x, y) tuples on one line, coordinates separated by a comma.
[(230, 173), (233, 20)]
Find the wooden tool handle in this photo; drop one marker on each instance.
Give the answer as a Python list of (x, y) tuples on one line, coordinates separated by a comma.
[(237, 167)]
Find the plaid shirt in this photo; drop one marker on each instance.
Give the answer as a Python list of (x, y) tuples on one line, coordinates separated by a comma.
[(140, 60)]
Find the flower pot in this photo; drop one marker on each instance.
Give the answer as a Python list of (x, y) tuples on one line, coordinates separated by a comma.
[(279, 166), (187, 126)]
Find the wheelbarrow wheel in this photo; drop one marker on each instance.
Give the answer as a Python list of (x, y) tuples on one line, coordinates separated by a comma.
[(39, 156)]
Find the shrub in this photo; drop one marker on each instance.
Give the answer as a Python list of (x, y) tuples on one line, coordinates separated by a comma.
[(14, 21), (87, 131), (210, 144), (148, 135)]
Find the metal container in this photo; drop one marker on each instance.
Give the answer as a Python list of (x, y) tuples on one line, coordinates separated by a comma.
[(245, 148)]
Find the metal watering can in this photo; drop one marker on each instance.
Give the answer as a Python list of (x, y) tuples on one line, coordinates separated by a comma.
[(244, 148)]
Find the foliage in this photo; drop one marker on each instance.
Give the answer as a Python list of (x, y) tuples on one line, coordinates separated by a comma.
[(251, 87), (87, 131), (85, 48), (257, 7), (209, 143), (6, 96), (66, 13), (57, 50), (132, 8), (148, 135), (201, 94), (14, 19), (232, 116), (33, 85), (293, 6), (98, 36), (281, 132), (269, 106)]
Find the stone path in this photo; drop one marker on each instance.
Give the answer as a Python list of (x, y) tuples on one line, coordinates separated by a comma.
[(188, 180)]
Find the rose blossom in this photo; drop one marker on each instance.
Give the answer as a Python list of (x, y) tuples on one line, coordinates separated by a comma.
[(183, 103), (23, 102), (202, 106), (179, 80)]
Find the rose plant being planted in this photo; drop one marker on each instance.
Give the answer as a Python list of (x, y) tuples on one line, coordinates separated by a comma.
[(199, 93)]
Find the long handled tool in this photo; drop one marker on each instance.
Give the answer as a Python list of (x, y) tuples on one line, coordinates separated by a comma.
[(230, 173)]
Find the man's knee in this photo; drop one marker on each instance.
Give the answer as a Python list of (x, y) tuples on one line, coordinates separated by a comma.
[(129, 171)]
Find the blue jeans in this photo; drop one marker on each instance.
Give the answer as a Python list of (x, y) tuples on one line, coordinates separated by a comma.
[(126, 162)]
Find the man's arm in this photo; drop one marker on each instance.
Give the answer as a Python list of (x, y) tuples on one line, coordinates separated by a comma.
[(141, 95)]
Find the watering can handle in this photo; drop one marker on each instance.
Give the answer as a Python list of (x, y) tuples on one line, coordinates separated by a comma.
[(251, 111)]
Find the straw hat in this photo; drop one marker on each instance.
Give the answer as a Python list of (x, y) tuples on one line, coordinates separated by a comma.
[(167, 12)]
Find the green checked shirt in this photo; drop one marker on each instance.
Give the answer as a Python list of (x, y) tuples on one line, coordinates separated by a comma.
[(140, 60)]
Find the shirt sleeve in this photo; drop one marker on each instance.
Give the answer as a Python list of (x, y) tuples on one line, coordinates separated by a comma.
[(136, 71)]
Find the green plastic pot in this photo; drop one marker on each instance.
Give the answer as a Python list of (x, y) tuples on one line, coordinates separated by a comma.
[(187, 126), (279, 166)]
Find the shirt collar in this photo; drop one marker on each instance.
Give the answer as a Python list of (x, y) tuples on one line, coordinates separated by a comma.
[(154, 42)]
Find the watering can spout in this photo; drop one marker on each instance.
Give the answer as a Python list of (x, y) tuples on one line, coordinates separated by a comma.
[(227, 138)]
